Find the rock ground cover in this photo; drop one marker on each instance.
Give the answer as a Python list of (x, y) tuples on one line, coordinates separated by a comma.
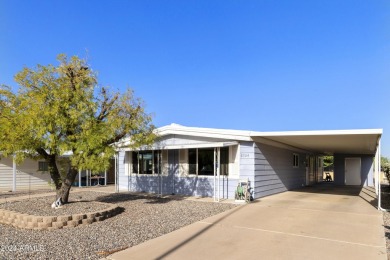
[(144, 218), (42, 207), (9, 194)]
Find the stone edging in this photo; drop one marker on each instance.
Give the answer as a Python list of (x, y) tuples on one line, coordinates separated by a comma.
[(27, 221)]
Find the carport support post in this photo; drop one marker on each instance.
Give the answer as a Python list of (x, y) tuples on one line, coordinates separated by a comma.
[(219, 172), (378, 169), (214, 178)]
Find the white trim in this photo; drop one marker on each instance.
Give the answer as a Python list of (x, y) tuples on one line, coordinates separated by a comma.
[(320, 132), (184, 146), (79, 178)]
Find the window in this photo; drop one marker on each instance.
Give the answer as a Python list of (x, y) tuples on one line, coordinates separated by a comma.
[(145, 159), (206, 161), (146, 162), (201, 161), (157, 162), (135, 162), (192, 161), (43, 166), (224, 160), (295, 160)]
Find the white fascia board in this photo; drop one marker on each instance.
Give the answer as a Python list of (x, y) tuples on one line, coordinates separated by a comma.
[(320, 132), (205, 132), (184, 146)]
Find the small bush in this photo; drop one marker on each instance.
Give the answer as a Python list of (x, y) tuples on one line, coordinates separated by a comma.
[(386, 170)]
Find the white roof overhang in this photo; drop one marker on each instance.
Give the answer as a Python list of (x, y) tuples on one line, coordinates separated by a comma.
[(183, 146), (363, 141), (360, 141)]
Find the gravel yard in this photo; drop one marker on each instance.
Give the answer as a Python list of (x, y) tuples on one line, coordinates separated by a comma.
[(42, 207), (144, 218), (9, 194)]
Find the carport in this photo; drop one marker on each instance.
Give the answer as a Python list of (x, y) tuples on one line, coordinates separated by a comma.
[(356, 152), (302, 224)]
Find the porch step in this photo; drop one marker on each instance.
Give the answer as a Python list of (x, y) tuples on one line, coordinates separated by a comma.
[(369, 188), (368, 194)]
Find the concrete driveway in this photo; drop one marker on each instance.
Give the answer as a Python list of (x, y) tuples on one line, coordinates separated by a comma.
[(313, 223)]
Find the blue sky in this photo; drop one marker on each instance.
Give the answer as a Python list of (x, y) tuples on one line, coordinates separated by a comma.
[(257, 65)]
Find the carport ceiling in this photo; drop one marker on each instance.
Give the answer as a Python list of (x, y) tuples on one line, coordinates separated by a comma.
[(326, 142)]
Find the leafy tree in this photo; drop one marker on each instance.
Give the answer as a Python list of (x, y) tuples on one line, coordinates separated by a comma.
[(385, 167), (384, 160), (328, 161), (61, 109)]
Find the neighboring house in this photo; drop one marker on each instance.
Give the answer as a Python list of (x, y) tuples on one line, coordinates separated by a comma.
[(34, 175), (210, 162), (30, 174)]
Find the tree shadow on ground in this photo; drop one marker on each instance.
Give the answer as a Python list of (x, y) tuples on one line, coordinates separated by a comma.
[(126, 197)]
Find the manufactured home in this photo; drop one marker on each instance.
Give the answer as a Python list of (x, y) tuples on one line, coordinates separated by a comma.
[(211, 162)]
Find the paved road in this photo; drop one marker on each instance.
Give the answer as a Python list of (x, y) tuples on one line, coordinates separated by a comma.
[(323, 223)]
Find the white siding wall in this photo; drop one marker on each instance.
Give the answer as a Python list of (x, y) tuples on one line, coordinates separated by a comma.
[(234, 161), (27, 175)]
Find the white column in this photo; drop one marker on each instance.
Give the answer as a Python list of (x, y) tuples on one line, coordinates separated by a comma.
[(379, 174), (219, 172), (79, 178), (215, 195), (13, 174), (378, 168), (116, 174), (105, 178)]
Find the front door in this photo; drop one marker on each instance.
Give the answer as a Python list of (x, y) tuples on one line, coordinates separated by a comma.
[(352, 171)]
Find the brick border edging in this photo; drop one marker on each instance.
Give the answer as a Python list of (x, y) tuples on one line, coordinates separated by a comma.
[(27, 221)]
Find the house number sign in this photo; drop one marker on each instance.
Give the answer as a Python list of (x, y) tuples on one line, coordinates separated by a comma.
[(244, 155)]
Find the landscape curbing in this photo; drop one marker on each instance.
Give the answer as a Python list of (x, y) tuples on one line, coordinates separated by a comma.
[(26, 221)]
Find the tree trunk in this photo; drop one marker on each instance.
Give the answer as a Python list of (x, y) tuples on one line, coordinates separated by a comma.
[(53, 170), (63, 192)]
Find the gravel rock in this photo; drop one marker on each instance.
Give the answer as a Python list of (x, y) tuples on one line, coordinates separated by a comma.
[(42, 207), (144, 218), (9, 194)]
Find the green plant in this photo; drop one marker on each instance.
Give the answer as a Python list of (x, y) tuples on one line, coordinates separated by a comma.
[(386, 170)]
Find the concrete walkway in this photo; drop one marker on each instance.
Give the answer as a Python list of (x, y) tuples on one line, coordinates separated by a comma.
[(305, 224)]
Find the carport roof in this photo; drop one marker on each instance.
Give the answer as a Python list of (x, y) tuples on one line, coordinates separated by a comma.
[(361, 141)]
